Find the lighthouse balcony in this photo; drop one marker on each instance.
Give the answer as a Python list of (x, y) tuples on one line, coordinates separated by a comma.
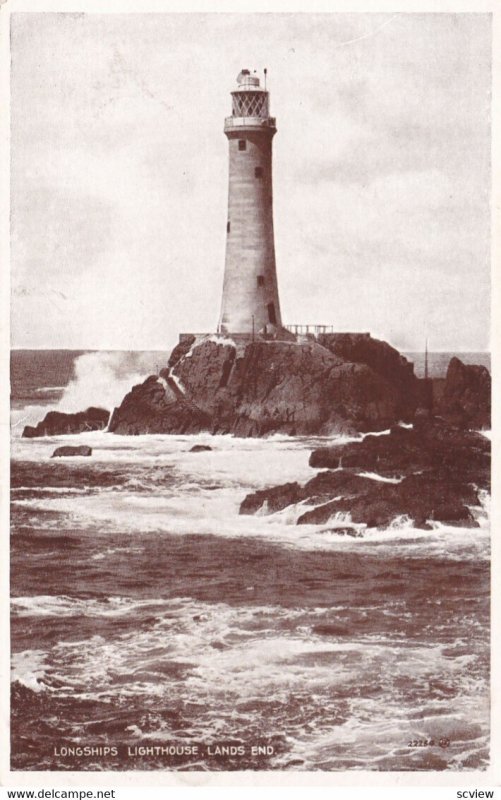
[(255, 123)]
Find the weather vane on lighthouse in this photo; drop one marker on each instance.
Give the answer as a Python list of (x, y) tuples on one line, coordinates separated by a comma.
[(250, 303)]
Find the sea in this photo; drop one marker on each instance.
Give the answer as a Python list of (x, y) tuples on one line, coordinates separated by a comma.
[(154, 628)]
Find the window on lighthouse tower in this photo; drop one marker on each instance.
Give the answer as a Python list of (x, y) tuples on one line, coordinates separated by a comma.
[(242, 144), (271, 313)]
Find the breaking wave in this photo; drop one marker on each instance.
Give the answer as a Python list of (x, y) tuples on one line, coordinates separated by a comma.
[(155, 484), (101, 379), (104, 378), (342, 696), (145, 607)]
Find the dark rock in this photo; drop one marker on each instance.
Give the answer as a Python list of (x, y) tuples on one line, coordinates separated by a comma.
[(200, 448), (179, 352), (326, 457), (69, 450), (338, 482), (440, 470), (338, 383), (421, 498), (422, 418), (380, 357), (154, 407), (353, 532), (430, 444), (466, 396), (56, 423), (276, 499), (320, 514), (265, 387)]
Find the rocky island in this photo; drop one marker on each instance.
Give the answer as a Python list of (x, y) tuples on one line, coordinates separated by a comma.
[(57, 423), (428, 463), (428, 472), (317, 385)]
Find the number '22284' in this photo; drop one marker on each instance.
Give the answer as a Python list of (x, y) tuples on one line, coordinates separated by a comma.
[(442, 742)]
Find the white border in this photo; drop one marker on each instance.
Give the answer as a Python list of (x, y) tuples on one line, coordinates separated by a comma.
[(463, 779)]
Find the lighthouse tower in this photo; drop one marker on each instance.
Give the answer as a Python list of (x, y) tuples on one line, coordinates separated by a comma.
[(250, 292)]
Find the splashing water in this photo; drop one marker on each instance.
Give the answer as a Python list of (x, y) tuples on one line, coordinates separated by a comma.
[(103, 379), (100, 379), (146, 609)]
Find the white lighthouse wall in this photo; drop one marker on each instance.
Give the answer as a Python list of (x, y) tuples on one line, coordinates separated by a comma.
[(250, 281)]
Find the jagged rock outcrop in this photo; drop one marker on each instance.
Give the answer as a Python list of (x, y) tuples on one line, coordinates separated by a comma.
[(422, 498), (433, 472), (56, 423), (178, 352), (379, 356), (156, 406), (466, 396), (274, 499), (69, 450), (429, 445), (263, 387), (333, 383)]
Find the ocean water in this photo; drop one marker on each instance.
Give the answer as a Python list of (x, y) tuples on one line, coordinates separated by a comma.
[(154, 626)]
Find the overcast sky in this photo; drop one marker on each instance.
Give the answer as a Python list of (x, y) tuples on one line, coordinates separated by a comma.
[(119, 173)]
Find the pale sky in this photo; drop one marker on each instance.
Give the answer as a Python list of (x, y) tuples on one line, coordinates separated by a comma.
[(119, 174)]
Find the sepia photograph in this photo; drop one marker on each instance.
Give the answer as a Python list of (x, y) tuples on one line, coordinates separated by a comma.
[(250, 375)]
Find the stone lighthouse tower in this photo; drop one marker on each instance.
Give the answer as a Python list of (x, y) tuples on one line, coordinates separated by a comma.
[(250, 292)]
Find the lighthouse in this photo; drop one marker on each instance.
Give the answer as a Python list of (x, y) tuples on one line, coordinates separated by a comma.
[(250, 303)]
